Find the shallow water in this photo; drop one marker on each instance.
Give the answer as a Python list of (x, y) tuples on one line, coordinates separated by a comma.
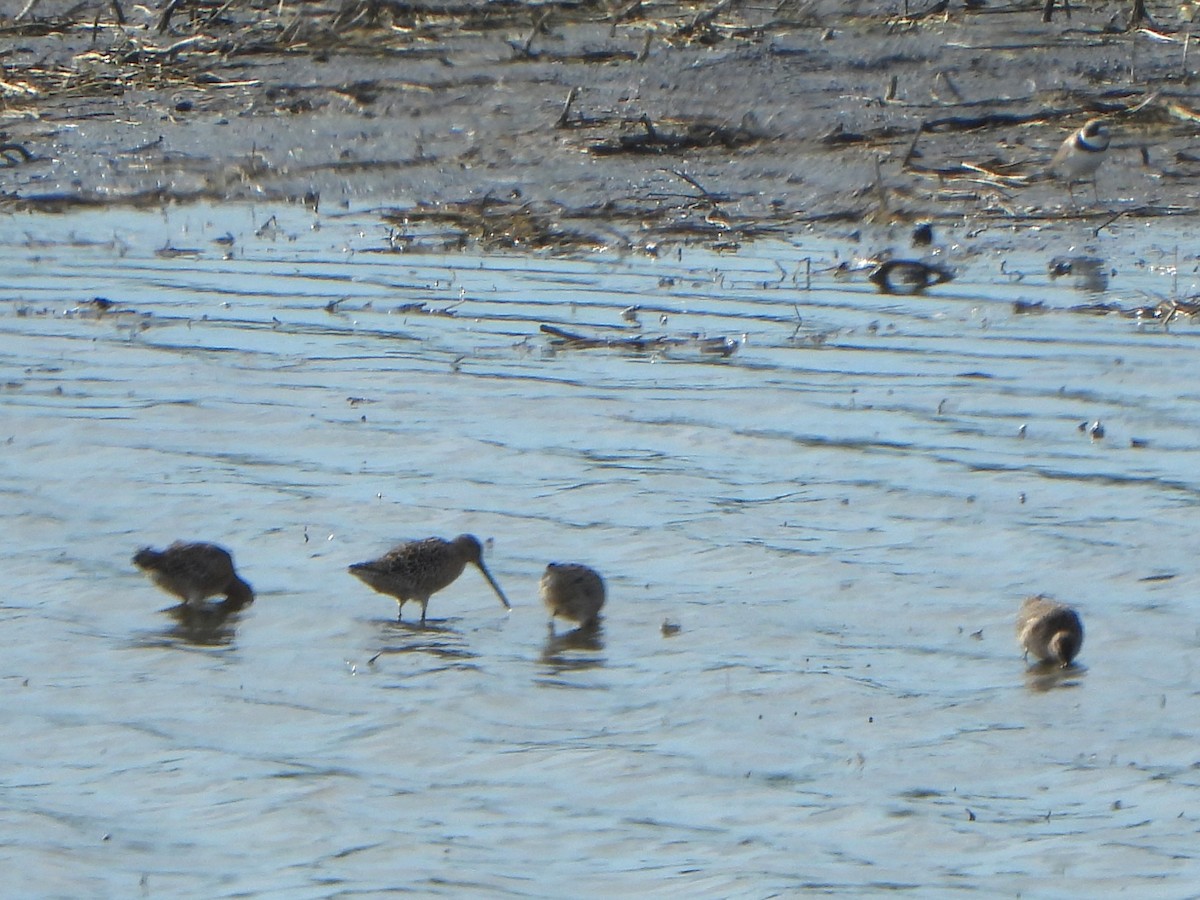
[(842, 517)]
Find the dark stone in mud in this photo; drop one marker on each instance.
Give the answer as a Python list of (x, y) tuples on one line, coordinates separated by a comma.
[(587, 124)]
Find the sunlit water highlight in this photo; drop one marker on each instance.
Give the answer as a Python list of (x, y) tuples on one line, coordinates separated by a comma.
[(842, 518)]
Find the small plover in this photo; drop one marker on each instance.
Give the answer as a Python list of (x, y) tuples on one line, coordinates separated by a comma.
[(1081, 154)]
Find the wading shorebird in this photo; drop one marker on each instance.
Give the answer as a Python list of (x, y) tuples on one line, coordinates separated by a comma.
[(573, 591), (1050, 631), (194, 572), (1080, 155), (419, 569)]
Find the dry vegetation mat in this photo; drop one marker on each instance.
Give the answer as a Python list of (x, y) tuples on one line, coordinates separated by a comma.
[(566, 126)]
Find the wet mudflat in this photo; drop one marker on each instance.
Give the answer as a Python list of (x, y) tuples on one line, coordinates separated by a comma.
[(615, 125), (841, 516)]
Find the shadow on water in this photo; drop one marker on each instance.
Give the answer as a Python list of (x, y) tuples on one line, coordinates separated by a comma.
[(211, 625), (1048, 675)]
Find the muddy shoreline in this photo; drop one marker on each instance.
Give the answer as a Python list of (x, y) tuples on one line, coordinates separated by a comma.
[(575, 126)]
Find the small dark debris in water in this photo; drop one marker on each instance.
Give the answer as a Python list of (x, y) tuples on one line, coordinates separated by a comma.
[(1096, 309), (1024, 307), (10, 152), (977, 635), (1165, 312), (922, 235), (333, 305), (839, 135), (168, 252), (1139, 443), (674, 136), (970, 816), (973, 375), (96, 308), (718, 346), (907, 276), (1162, 576), (670, 629), (1059, 267), (268, 229), (1090, 271), (1162, 313), (225, 240), (358, 401)]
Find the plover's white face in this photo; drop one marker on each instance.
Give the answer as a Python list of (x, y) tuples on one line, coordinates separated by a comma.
[(1081, 154)]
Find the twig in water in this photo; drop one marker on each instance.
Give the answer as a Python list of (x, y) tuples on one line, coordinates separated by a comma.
[(694, 183), (566, 110)]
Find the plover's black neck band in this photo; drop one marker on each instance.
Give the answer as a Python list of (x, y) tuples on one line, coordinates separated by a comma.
[(1082, 143)]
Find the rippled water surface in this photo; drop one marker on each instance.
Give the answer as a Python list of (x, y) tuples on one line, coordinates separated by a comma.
[(842, 517)]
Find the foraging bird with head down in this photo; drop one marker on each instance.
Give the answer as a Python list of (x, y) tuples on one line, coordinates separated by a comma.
[(1081, 154), (574, 592), (416, 570), (1050, 631), (194, 572)]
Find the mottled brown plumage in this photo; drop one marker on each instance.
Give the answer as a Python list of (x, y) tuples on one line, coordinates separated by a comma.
[(574, 592), (194, 572), (1050, 631), (418, 569)]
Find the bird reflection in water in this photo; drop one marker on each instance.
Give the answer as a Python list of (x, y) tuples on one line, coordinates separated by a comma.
[(212, 625), (575, 650), (1048, 675), (439, 639)]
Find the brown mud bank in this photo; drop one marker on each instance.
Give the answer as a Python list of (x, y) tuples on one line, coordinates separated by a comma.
[(575, 125)]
